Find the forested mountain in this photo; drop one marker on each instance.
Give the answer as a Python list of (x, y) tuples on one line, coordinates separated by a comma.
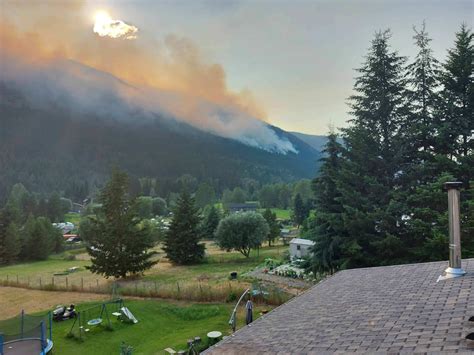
[(51, 147), (315, 141)]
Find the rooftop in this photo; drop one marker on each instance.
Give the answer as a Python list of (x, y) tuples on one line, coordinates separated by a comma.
[(382, 309), (301, 241)]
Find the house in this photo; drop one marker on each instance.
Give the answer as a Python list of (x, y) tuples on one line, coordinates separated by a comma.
[(299, 248), (242, 207), (64, 227), (388, 309)]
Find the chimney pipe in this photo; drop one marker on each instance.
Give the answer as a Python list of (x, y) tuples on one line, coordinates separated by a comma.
[(454, 268)]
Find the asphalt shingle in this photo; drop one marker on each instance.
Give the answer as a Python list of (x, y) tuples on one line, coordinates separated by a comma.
[(394, 309)]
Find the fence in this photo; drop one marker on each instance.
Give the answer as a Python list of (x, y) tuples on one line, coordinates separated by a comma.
[(199, 291)]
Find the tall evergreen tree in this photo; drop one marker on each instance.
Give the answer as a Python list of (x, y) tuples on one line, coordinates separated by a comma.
[(300, 210), (182, 240), (423, 95), (10, 245), (117, 244), (210, 222), (328, 226), (362, 226), (457, 112)]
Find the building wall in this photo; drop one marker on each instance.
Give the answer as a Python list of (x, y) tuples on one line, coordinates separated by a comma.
[(302, 252)]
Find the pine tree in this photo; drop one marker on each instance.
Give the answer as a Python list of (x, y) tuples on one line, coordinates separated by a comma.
[(371, 168), (39, 240), (12, 244), (327, 230), (300, 211), (210, 222), (182, 240), (457, 111), (273, 227), (423, 94), (117, 244)]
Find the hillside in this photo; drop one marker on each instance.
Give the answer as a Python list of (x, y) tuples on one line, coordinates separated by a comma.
[(49, 147), (315, 141)]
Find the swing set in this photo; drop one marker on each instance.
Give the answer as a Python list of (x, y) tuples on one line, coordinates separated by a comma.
[(96, 316)]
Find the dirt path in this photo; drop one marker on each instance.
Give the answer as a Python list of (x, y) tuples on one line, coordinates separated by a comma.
[(13, 300)]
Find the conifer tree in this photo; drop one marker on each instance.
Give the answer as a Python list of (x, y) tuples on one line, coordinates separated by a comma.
[(328, 229), (182, 240), (273, 227), (210, 222), (300, 210), (457, 111), (12, 244), (117, 244), (423, 94)]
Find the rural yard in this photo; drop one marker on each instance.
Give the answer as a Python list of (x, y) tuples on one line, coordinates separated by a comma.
[(172, 303), (236, 177)]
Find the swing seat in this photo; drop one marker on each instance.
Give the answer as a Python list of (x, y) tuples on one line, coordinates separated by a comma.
[(95, 321)]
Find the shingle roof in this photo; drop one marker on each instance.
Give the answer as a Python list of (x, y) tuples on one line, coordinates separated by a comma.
[(382, 309)]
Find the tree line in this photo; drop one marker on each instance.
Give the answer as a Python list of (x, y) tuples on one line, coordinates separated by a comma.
[(378, 197), (120, 244), (26, 230)]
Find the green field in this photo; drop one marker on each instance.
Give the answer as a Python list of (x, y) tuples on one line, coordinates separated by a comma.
[(280, 213), (161, 324), (74, 218), (164, 279)]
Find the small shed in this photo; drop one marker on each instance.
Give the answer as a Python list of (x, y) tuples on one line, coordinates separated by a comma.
[(299, 248)]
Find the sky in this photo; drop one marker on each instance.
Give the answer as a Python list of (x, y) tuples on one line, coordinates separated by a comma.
[(293, 60)]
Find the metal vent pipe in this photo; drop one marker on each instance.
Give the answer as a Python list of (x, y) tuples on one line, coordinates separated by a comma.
[(454, 268)]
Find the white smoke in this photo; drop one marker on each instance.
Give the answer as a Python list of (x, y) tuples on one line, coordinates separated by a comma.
[(90, 91)]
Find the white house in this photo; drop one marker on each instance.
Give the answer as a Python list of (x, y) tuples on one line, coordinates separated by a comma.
[(300, 248)]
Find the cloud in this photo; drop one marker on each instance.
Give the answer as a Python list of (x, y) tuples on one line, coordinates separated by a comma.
[(105, 26)]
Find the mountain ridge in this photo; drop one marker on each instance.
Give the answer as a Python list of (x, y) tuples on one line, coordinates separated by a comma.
[(50, 145)]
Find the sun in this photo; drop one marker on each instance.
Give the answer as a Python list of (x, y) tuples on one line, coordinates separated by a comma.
[(105, 26), (102, 17)]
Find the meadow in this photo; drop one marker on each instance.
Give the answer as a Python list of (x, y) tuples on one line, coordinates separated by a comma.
[(207, 281)]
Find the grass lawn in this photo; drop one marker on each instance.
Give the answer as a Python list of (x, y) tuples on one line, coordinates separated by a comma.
[(161, 324), (74, 218), (280, 213)]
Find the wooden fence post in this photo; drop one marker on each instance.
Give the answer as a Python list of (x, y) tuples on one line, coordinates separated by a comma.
[(41, 284), (17, 280), (66, 283), (82, 284)]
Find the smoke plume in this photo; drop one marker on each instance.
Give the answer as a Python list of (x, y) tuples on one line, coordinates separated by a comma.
[(45, 44)]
